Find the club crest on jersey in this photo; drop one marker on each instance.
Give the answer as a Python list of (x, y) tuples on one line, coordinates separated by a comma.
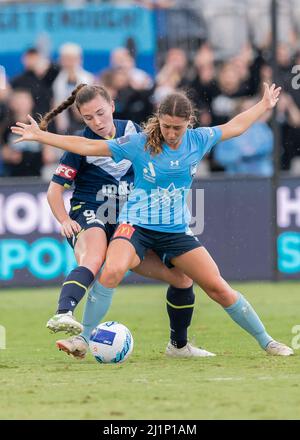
[(167, 196), (149, 172), (174, 163), (193, 169)]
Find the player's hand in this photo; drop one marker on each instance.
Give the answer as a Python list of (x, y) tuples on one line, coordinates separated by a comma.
[(27, 132), (271, 95), (69, 228)]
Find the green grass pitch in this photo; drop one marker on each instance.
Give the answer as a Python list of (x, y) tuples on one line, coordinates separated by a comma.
[(241, 382)]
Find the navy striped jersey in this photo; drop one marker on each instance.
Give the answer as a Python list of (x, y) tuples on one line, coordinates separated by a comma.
[(95, 179)]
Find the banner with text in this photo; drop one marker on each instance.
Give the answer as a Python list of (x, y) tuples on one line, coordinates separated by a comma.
[(232, 218), (97, 28)]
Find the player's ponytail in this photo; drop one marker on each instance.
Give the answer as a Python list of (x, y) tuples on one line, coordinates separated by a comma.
[(175, 104), (81, 95), (47, 118), (154, 136)]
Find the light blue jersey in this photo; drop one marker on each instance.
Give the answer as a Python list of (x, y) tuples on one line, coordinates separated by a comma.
[(162, 181)]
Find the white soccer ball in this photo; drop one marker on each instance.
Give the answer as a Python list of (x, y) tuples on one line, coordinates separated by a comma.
[(111, 343)]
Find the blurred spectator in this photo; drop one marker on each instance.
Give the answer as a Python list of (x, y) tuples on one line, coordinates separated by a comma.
[(38, 77), (130, 103), (247, 64), (258, 14), (293, 84), (295, 17), (284, 55), (4, 96), (70, 75), (172, 74), (226, 69), (203, 86), (227, 26), (138, 78), (250, 153), (24, 158), (289, 116), (229, 88)]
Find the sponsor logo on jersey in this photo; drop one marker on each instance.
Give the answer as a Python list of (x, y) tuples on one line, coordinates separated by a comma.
[(122, 190), (66, 171), (149, 172), (124, 230), (174, 163)]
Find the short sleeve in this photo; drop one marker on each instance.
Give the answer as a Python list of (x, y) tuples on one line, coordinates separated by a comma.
[(206, 138), (67, 169), (125, 147)]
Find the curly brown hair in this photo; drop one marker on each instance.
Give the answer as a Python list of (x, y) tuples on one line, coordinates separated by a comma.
[(175, 104), (81, 95)]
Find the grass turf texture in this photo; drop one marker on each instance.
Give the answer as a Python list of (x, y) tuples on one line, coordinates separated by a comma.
[(241, 382)]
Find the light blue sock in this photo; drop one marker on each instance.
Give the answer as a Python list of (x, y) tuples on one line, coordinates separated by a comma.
[(245, 316), (97, 305)]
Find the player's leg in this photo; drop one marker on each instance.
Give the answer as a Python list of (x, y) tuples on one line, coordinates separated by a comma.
[(180, 299), (121, 256), (152, 267), (237, 307), (90, 249)]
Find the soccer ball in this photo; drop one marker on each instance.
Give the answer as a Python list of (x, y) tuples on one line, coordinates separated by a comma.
[(111, 343)]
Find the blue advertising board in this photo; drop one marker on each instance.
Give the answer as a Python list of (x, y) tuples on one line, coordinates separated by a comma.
[(97, 28), (288, 221), (232, 218)]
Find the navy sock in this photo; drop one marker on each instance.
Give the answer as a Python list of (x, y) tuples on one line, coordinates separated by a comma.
[(74, 288), (180, 307)]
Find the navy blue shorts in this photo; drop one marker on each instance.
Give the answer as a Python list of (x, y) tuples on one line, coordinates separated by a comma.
[(87, 218), (166, 245)]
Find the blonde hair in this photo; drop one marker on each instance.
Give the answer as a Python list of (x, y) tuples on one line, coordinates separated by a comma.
[(81, 95), (175, 104)]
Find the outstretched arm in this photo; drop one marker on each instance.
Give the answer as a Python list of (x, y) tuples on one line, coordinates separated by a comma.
[(75, 144), (240, 123)]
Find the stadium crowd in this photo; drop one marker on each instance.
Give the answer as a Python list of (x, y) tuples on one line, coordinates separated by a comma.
[(223, 76)]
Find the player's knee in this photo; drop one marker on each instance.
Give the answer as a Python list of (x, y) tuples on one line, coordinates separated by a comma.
[(93, 263), (112, 275), (182, 281), (218, 290)]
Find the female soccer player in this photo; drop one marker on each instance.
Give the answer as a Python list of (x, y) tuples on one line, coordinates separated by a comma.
[(100, 184), (164, 159)]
